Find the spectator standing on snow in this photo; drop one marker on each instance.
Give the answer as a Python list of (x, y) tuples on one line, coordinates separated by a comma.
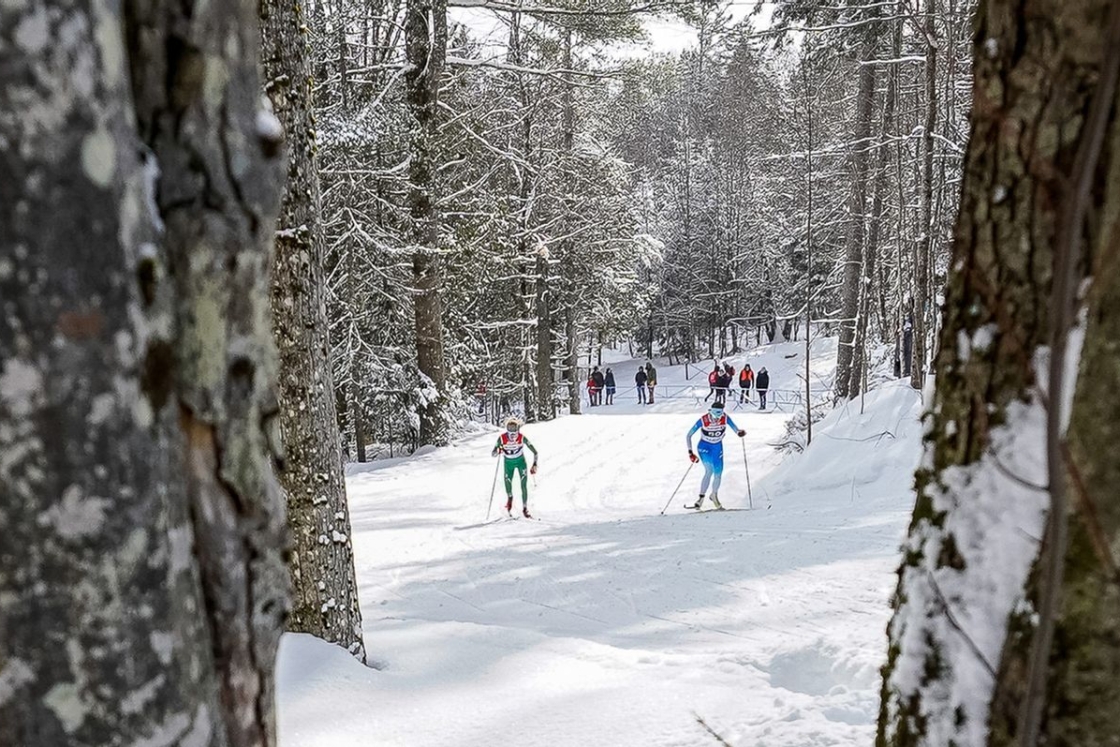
[(651, 379), (746, 380), (762, 384), (640, 379), (511, 445), (600, 381), (610, 384), (713, 426), (723, 384), (713, 381)]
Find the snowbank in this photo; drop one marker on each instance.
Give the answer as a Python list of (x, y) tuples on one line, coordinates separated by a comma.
[(869, 453)]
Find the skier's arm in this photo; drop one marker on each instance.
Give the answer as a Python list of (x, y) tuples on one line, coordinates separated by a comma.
[(536, 456), (735, 428), (688, 438), (497, 447)]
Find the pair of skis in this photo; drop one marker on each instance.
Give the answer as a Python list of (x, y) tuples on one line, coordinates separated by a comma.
[(700, 509)]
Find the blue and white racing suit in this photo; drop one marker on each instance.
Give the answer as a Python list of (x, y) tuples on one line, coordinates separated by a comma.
[(710, 449)]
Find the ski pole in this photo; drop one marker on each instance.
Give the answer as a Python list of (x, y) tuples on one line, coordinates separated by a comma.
[(674, 495), (750, 498), (493, 487)]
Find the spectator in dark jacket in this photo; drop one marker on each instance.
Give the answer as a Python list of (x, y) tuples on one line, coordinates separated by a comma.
[(762, 384), (610, 384), (723, 383), (599, 381), (713, 381), (640, 379)]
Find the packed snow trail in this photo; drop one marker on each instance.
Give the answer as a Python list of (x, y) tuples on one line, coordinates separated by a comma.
[(605, 623)]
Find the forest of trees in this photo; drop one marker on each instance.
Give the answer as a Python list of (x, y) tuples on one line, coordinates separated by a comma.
[(241, 242), (690, 204)]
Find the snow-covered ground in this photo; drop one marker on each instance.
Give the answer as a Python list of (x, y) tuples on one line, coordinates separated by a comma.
[(605, 623)]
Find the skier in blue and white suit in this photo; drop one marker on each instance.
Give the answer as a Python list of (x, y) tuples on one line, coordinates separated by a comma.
[(712, 426)]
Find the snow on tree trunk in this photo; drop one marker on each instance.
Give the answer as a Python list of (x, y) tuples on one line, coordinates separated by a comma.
[(966, 608), (324, 587), (426, 50), (141, 520)]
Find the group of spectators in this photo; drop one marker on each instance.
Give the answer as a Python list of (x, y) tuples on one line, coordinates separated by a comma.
[(601, 385), (646, 380), (720, 381)]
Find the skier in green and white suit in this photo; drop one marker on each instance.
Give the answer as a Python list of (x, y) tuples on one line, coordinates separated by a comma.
[(512, 445)]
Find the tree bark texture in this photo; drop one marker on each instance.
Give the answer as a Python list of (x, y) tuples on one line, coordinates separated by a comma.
[(1036, 66), (1084, 682), (426, 51), (324, 586), (142, 591)]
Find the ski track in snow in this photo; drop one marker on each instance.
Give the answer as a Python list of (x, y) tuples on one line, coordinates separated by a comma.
[(604, 623)]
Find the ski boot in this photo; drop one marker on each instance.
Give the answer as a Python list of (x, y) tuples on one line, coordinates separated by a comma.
[(525, 512), (715, 503), (509, 505), (696, 506)]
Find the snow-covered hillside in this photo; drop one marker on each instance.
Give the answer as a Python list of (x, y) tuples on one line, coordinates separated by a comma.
[(605, 623)]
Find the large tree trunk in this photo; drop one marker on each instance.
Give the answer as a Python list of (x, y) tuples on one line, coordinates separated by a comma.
[(857, 382), (426, 50), (568, 262), (141, 522), (985, 646), (853, 260), (325, 590), (924, 246)]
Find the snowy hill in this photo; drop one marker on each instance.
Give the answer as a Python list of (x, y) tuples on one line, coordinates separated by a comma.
[(606, 623)]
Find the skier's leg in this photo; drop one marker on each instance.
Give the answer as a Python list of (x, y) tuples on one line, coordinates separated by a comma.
[(524, 469), (709, 470), (717, 472), (508, 475), (705, 452)]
